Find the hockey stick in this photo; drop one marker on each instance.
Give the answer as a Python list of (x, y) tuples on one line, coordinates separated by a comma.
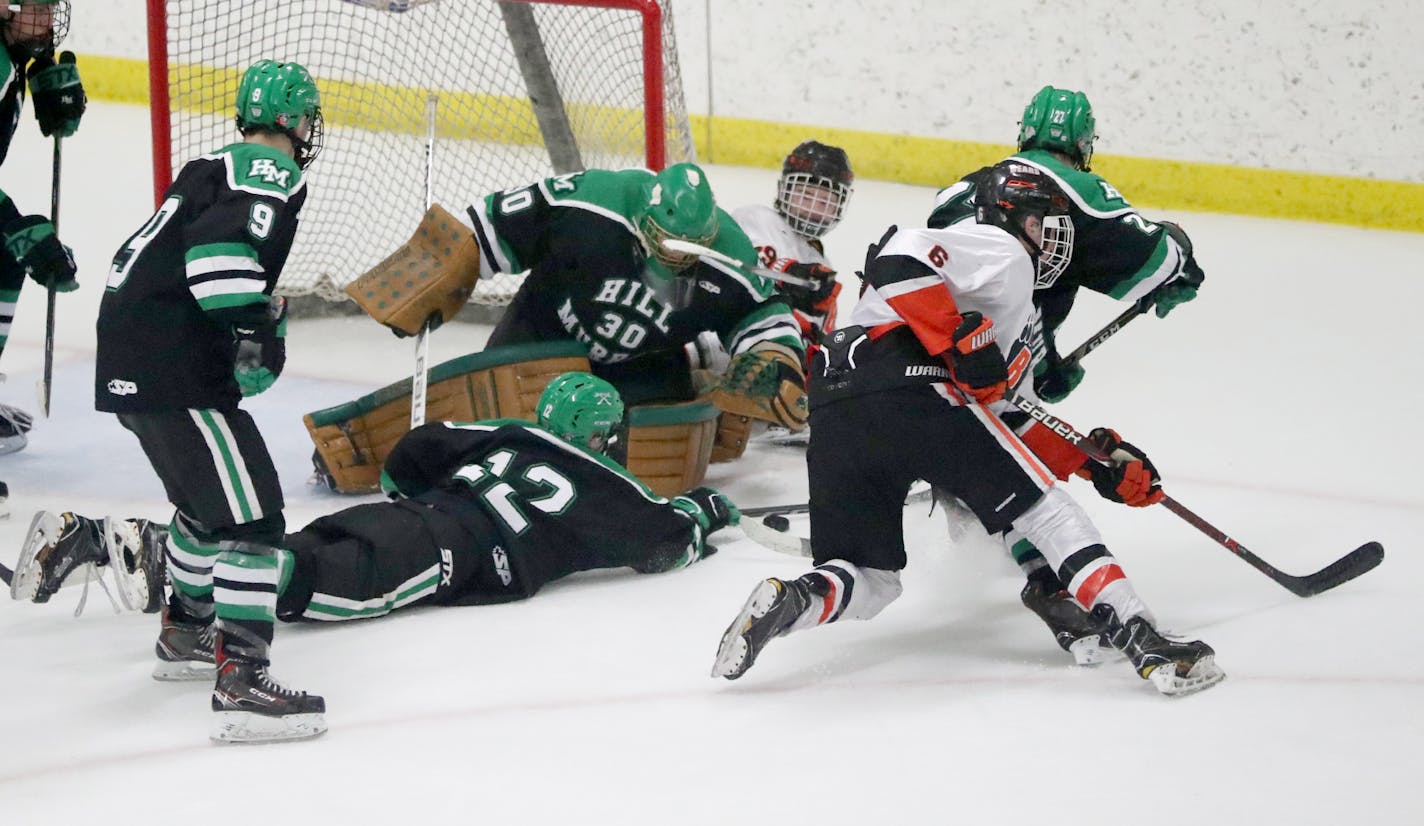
[(688, 248), (47, 380), (1096, 339), (6, 574), (769, 527), (1359, 561), (420, 378), (919, 492)]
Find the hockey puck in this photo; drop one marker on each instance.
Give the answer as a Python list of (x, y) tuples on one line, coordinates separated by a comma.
[(777, 522)]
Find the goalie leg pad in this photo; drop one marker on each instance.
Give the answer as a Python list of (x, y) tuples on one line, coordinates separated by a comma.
[(353, 439), (733, 431), (669, 445)]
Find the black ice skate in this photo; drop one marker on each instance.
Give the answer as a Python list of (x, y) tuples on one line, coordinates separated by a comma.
[(56, 546), (1175, 667), (136, 556), (251, 707), (1075, 630), (184, 649), (769, 612)]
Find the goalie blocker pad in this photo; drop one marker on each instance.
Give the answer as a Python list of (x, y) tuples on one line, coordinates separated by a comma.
[(353, 439), (433, 273)]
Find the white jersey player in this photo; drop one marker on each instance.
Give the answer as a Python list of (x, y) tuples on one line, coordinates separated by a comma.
[(913, 388), (811, 197)]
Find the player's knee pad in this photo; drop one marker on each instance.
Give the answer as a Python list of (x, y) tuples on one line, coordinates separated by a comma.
[(1057, 526), (848, 591)]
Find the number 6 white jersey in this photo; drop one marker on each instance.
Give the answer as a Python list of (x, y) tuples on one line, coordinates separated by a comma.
[(923, 279)]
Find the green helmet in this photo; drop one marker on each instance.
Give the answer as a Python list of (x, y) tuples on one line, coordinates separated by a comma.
[(1060, 120), (581, 408), (276, 97), (680, 205)]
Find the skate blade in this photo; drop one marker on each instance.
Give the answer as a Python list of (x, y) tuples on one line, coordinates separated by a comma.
[(246, 727), (1089, 651), (734, 655), (44, 530), (121, 535), (186, 671), (1204, 674)]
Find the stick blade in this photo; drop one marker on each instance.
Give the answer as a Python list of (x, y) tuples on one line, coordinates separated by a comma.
[(1362, 560)]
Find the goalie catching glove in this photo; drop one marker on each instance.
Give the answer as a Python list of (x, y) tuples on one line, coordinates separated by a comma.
[(765, 384), (1128, 476)]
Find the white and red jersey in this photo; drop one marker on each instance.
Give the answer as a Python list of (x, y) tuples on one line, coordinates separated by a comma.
[(924, 279), (775, 241)]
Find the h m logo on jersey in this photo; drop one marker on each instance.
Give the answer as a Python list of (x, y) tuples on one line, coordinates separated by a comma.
[(267, 170), (501, 564), (119, 387)]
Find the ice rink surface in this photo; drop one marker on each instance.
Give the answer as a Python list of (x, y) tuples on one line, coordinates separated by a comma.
[(1281, 405)]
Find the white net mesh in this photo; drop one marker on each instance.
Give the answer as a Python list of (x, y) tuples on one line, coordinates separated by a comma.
[(376, 69)]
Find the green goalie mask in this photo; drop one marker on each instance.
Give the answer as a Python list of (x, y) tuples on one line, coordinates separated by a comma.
[(680, 205), (1060, 120), (581, 408), (282, 97)]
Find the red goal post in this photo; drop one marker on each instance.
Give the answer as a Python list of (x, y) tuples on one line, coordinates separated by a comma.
[(524, 89)]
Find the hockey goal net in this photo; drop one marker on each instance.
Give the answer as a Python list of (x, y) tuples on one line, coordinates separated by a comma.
[(519, 91)]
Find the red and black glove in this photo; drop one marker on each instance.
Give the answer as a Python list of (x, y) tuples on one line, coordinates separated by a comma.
[(1128, 477), (975, 362), (806, 299)]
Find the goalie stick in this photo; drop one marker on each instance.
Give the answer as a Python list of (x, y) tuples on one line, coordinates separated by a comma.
[(420, 377), (1359, 561), (688, 248)]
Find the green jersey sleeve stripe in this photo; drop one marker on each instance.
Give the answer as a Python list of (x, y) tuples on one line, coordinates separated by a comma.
[(224, 302), (220, 250)]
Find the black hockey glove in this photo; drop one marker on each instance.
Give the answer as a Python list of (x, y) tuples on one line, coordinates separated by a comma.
[(710, 507), (31, 241), (1129, 476), (975, 362), (1182, 287), (803, 298), (261, 350), (58, 95)]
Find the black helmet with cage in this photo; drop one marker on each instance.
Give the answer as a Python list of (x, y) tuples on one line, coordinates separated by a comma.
[(1010, 193), (816, 182)]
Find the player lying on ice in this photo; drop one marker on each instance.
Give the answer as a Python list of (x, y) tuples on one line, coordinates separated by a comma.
[(917, 385), (483, 513)]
